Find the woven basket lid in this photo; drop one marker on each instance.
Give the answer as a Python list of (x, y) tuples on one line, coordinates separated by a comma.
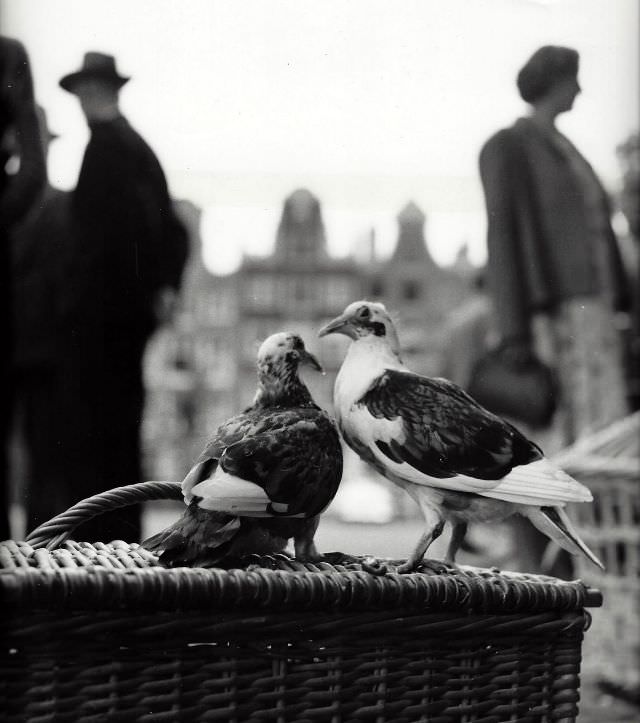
[(80, 575), (50, 571)]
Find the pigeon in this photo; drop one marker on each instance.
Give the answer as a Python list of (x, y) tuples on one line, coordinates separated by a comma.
[(458, 461), (265, 476)]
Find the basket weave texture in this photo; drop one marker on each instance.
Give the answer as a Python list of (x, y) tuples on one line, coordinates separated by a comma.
[(608, 462), (102, 633)]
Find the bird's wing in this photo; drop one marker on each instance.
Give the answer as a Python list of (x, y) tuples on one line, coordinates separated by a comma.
[(431, 432), (231, 431), (289, 463)]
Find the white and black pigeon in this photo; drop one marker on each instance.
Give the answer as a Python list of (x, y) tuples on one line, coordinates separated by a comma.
[(459, 462), (265, 476)]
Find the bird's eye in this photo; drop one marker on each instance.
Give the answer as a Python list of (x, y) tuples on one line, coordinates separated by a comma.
[(364, 312), (298, 343)]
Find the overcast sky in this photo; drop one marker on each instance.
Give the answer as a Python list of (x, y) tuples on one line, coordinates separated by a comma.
[(368, 104)]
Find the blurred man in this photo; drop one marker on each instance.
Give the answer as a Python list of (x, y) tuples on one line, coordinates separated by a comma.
[(125, 268), (18, 191), (40, 247)]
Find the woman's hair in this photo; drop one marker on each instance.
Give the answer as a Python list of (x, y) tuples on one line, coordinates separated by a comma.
[(544, 69)]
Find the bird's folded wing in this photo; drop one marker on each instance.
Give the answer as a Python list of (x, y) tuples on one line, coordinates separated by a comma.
[(298, 464), (430, 432), (441, 430), (226, 434), (537, 483), (226, 493), (197, 473), (288, 463)]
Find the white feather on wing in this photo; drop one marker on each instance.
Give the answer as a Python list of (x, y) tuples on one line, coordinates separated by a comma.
[(224, 492), (536, 483)]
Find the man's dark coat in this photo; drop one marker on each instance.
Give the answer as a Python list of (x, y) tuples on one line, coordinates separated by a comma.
[(128, 246), (130, 243), (17, 194)]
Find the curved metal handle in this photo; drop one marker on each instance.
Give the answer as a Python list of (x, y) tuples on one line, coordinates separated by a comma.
[(53, 533)]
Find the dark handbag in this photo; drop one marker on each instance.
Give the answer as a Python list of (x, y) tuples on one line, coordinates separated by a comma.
[(517, 386)]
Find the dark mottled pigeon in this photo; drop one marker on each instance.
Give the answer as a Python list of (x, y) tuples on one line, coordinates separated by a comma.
[(266, 474)]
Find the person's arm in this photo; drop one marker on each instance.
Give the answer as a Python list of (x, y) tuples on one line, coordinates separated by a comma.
[(506, 281), (166, 239), (162, 240), (24, 186)]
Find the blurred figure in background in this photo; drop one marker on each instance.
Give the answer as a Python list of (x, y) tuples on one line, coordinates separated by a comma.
[(629, 202), (125, 271), (554, 266), (555, 271), (40, 247), (470, 331), (18, 191)]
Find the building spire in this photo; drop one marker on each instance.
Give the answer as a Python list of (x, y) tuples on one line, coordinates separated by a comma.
[(301, 234), (411, 244)]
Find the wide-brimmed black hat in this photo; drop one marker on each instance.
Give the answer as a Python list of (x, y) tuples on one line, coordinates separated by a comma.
[(99, 66)]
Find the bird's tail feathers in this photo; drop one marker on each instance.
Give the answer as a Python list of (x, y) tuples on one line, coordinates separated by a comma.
[(555, 524), (198, 538), (542, 479)]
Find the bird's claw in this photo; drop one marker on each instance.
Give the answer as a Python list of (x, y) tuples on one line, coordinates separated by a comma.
[(369, 564), (433, 567), (437, 567), (374, 566), (405, 568)]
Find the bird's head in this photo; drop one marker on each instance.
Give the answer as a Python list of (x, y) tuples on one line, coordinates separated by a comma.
[(279, 358), (285, 351), (364, 319)]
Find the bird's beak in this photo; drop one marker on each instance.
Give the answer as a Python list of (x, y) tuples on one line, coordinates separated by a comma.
[(310, 360), (339, 325)]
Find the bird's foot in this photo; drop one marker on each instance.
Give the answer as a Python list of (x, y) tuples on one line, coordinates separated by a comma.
[(373, 565), (405, 568), (433, 567), (368, 563), (438, 567), (253, 561)]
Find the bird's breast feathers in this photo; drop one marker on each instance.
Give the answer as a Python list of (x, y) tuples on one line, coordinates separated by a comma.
[(366, 362)]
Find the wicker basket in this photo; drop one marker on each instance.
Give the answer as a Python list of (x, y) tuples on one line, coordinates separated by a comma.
[(608, 462), (102, 633)]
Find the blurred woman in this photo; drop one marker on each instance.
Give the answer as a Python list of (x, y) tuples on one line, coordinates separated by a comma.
[(555, 272)]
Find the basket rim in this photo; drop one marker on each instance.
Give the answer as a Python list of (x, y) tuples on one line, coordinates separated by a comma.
[(40, 579)]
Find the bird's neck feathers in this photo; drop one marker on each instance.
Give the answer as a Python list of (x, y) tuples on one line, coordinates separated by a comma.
[(284, 391), (367, 358), (374, 350), (392, 341)]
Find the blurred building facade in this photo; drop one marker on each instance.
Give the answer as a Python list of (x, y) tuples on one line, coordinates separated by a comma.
[(298, 288), (418, 291), (190, 365), (201, 369)]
